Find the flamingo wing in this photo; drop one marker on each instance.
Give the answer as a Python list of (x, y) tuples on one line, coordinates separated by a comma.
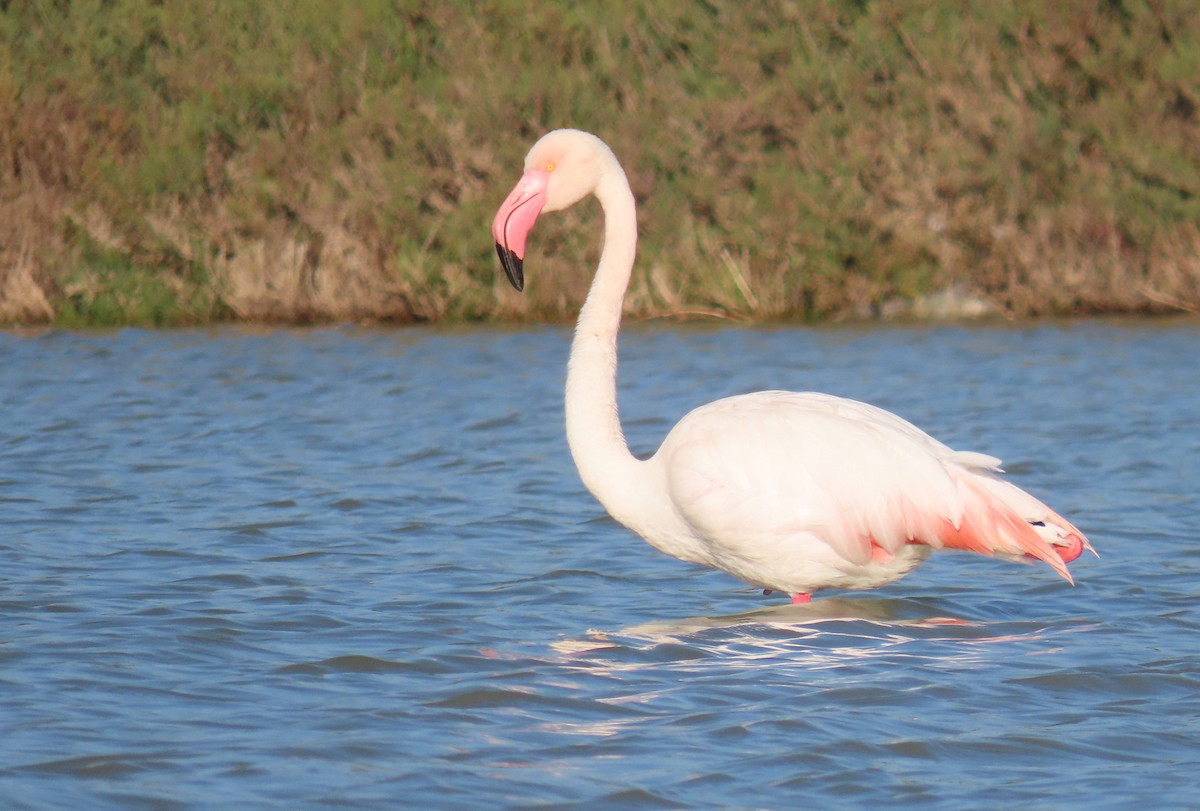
[(784, 480)]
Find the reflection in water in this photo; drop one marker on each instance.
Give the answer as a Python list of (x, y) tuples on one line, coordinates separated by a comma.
[(825, 633)]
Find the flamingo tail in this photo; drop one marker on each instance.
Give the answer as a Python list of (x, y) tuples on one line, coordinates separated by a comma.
[(1001, 519)]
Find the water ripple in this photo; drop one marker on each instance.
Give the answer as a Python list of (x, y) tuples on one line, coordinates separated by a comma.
[(355, 568)]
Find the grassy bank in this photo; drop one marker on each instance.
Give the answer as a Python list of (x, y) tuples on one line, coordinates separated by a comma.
[(183, 162)]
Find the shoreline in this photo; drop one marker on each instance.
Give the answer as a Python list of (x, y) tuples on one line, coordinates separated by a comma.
[(161, 167)]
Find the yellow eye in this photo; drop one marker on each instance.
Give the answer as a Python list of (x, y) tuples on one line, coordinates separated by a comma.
[(550, 166)]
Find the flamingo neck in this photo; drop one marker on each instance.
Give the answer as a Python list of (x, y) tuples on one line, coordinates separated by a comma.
[(594, 433)]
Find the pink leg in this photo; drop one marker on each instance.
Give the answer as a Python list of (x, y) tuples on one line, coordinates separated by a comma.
[(1068, 553), (1072, 550), (797, 599)]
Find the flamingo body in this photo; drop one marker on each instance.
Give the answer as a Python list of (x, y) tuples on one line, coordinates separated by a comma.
[(787, 491)]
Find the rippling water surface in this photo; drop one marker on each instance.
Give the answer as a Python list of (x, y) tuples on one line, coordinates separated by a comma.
[(355, 568)]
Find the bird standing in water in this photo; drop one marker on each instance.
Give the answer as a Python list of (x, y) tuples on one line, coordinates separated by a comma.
[(788, 491)]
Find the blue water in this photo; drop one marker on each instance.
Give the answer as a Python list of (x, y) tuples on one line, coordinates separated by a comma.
[(353, 568)]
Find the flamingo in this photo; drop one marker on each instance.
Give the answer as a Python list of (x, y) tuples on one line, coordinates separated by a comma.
[(787, 491)]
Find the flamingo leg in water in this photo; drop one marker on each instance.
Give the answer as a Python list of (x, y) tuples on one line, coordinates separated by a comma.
[(797, 599)]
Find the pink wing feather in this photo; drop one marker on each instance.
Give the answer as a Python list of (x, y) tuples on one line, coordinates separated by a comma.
[(751, 474)]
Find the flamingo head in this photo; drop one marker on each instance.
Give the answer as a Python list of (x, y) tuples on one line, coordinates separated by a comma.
[(562, 168)]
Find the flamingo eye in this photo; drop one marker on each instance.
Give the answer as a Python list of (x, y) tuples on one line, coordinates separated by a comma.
[(550, 166)]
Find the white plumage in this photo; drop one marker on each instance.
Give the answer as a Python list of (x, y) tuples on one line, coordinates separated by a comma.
[(788, 491)]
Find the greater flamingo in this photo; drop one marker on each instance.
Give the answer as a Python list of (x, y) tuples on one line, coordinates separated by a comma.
[(787, 491)]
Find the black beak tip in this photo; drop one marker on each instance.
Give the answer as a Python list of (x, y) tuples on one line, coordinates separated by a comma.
[(512, 267)]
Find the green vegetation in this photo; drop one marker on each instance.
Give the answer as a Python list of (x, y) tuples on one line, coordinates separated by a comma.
[(297, 160)]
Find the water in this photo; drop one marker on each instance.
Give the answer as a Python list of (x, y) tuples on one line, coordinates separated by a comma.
[(350, 568)]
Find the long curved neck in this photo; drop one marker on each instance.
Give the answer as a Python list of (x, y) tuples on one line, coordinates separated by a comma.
[(594, 433)]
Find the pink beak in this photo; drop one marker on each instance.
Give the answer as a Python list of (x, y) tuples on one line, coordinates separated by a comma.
[(515, 220)]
